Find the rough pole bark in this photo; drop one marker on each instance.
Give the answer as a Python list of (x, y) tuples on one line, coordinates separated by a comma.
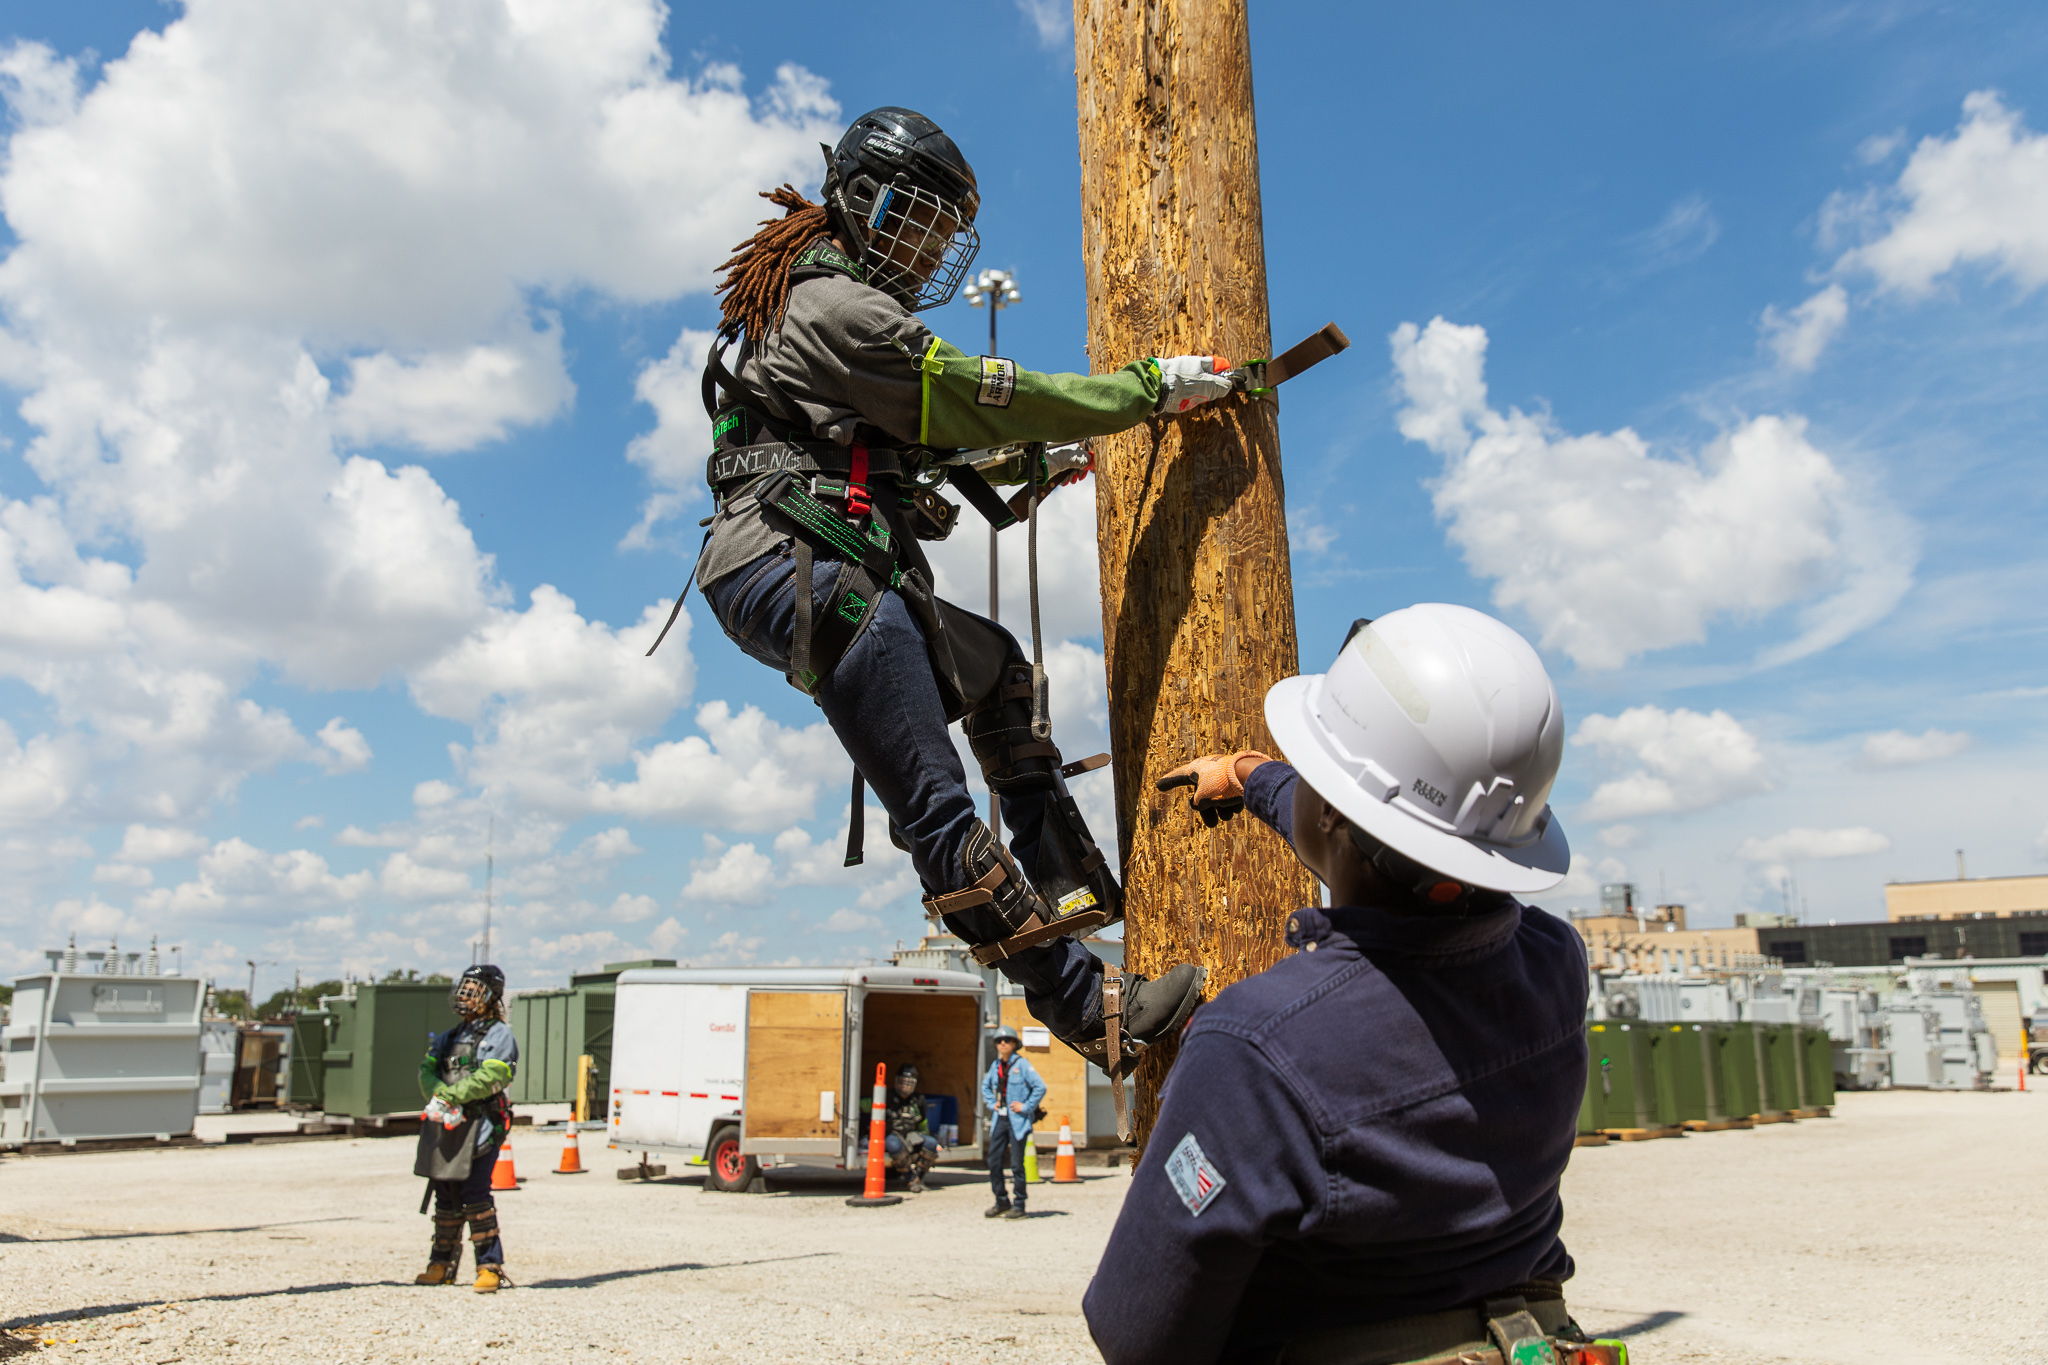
[(1197, 596)]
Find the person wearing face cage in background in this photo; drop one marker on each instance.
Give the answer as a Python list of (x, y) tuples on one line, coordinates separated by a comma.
[(1382, 1185), (463, 1077), (838, 420)]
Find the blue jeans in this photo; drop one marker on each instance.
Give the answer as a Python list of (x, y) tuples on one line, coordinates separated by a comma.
[(1005, 1148), (884, 705), (892, 1145)]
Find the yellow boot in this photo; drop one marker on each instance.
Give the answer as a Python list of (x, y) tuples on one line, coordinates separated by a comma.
[(490, 1279), (437, 1272)]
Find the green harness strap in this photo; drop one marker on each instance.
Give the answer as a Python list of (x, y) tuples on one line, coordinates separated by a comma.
[(868, 569)]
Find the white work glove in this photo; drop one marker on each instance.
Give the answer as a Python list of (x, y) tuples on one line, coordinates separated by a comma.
[(1188, 381), (1068, 458), (440, 1111)]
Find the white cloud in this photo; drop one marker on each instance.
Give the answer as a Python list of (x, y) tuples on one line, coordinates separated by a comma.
[(1800, 845), (1683, 761), (1069, 577), (309, 822), (404, 878), (1620, 836), (237, 879), (39, 86), (845, 921), (749, 773), (143, 844), (1797, 338), (1053, 20), (1896, 748), (453, 400), (125, 874), (631, 909), (257, 198), (673, 453), (347, 750), (1684, 234), (739, 875), (1613, 551), (555, 698), (1978, 196), (1879, 146)]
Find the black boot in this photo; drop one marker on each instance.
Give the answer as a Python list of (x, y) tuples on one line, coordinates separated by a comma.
[(1149, 1011)]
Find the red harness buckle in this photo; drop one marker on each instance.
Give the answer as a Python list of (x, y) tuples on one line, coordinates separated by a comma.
[(857, 504)]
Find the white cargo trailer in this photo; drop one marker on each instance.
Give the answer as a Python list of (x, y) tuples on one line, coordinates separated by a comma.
[(775, 1066)]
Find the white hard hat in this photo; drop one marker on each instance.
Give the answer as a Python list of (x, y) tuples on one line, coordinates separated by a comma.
[(1438, 733)]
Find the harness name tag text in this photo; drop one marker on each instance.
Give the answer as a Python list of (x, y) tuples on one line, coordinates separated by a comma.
[(1195, 1178), (725, 465), (998, 382)]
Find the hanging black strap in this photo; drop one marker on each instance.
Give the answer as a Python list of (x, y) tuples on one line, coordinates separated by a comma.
[(677, 609), (980, 496), (856, 820), (800, 640)]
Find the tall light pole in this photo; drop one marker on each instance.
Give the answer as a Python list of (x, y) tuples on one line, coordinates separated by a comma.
[(996, 290)]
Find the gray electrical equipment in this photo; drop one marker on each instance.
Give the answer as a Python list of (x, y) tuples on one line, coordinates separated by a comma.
[(1913, 1037), (220, 1045), (108, 1054), (1855, 1024)]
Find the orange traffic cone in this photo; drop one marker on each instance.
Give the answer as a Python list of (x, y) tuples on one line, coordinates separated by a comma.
[(572, 1155), (1063, 1172), (503, 1176), (873, 1195)]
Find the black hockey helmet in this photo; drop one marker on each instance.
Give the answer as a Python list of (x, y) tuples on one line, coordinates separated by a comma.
[(477, 992), (907, 1072), (904, 199)]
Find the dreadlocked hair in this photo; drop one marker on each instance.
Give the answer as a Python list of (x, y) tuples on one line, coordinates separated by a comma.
[(756, 285)]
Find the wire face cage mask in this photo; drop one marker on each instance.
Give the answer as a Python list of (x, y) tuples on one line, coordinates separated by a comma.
[(918, 245)]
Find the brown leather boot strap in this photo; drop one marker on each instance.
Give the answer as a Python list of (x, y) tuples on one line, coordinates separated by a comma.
[(1037, 931)]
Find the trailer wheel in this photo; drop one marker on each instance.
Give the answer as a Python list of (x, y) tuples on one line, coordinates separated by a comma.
[(725, 1167)]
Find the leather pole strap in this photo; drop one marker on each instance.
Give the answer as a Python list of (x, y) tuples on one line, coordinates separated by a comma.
[(1113, 1046)]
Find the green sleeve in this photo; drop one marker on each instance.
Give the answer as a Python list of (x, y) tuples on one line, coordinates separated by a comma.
[(480, 1084), (972, 402), (430, 1075)]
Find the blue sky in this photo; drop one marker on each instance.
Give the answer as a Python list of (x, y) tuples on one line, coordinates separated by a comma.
[(345, 352)]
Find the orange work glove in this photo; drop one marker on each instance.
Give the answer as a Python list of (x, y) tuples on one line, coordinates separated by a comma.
[(1219, 791)]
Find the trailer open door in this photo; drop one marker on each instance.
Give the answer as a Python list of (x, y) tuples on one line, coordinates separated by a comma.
[(796, 1056)]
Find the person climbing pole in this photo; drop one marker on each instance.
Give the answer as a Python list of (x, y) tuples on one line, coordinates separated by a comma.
[(463, 1077), (839, 419)]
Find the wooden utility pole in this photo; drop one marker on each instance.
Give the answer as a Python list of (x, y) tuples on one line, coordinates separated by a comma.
[(1197, 597)]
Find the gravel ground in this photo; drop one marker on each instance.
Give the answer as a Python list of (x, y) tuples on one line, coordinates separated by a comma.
[(1903, 1227)]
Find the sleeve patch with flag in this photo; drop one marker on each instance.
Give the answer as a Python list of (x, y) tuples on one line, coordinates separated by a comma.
[(1195, 1178), (998, 382)]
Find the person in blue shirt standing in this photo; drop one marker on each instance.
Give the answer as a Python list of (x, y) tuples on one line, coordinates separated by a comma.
[(1358, 1151), (1010, 1093), (464, 1076)]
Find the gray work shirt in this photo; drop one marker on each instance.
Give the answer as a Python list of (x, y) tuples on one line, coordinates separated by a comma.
[(846, 353)]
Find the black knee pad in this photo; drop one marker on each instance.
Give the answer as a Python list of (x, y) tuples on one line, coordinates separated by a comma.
[(999, 733)]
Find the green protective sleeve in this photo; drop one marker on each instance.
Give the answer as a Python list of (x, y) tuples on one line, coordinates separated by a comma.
[(430, 1076), (972, 402), (480, 1084)]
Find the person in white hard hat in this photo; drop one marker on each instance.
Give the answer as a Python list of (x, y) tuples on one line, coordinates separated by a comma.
[(1357, 1154)]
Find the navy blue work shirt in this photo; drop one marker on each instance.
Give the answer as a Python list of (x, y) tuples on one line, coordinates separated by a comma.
[(1371, 1128)]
